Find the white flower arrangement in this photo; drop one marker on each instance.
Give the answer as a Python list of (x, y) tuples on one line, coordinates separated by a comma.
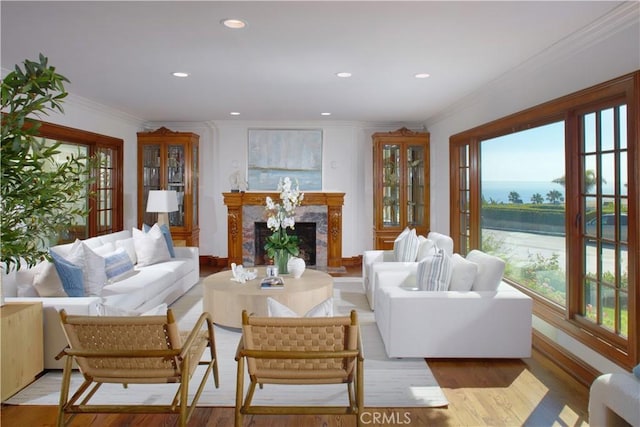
[(282, 216)]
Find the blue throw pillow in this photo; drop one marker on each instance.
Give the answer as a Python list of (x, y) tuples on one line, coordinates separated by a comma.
[(636, 371), (70, 275), (167, 237)]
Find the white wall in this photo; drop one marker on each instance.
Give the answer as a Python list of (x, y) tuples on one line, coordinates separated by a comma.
[(601, 54)]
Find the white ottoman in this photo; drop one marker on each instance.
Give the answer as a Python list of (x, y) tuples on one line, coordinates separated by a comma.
[(614, 399)]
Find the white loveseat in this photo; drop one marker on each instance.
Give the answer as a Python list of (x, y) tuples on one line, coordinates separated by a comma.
[(145, 289), (374, 261), (452, 324)]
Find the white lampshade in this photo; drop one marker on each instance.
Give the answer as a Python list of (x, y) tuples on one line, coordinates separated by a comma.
[(162, 201)]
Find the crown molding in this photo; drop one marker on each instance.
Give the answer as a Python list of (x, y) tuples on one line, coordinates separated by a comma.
[(617, 20), (89, 105)]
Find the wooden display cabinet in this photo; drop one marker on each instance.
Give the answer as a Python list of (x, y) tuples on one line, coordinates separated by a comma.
[(401, 184), (21, 345), (169, 160)]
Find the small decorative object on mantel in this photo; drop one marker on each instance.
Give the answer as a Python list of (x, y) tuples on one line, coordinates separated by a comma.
[(296, 266), (238, 184), (241, 275), (280, 246)]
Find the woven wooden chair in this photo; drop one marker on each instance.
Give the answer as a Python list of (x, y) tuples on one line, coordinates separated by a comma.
[(318, 350), (134, 350)]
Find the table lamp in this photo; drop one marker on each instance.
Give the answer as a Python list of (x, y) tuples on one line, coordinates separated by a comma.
[(162, 202)]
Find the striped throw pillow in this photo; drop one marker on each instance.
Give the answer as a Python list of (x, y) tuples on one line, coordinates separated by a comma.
[(434, 272), (118, 265), (405, 247)]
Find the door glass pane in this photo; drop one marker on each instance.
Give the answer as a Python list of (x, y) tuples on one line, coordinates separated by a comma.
[(523, 207), (391, 185), (415, 186), (605, 219)]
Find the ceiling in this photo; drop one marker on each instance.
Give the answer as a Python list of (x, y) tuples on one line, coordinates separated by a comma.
[(283, 64)]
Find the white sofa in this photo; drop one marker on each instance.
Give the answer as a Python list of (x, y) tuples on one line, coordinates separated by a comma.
[(147, 288), (452, 324), (374, 261), (614, 400)]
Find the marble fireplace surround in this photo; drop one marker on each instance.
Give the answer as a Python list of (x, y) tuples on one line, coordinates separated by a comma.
[(323, 208)]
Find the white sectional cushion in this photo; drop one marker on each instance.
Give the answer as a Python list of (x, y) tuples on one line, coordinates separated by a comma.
[(426, 247), (442, 241), (151, 247), (46, 280), (110, 310), (277, 309), (434, 272), (464, 273), (405, 247), (490, 270)]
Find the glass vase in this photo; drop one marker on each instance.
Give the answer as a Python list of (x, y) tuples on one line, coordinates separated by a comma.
[(281, 259)]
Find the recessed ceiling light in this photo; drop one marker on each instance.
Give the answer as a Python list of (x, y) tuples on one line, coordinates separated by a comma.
[(235, 24), (421, 75), (234, 113), (325, 114), (343, 74), (180, 74)]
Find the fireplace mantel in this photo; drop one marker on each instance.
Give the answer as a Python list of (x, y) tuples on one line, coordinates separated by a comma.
[(236, 201)]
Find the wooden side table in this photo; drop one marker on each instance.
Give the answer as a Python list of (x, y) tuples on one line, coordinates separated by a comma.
[(21, 345)]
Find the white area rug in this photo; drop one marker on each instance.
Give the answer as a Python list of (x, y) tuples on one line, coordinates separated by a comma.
[(388, 382)]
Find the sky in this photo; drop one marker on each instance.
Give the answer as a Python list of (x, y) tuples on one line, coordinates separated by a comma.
[(531, 155)]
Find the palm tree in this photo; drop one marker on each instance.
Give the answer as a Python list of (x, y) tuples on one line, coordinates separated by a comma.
[(537, 199), (514, 197), (590, 180), (555, 197)]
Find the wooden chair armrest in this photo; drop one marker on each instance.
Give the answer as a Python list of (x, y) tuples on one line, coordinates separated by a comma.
[(240, 350), (121, 353), (205, 318)]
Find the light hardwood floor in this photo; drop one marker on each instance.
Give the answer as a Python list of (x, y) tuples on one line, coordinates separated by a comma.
[(527, 392)]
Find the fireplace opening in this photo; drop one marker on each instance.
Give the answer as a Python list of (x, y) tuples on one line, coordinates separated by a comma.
[(306, 232)]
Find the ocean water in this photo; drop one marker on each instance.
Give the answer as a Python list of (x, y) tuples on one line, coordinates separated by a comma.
[(499, 190)]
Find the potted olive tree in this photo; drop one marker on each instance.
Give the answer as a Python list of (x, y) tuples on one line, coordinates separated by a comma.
[(39, 196)]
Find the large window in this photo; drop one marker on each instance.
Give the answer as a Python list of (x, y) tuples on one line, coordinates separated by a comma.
[(104, 198), (552, 191)]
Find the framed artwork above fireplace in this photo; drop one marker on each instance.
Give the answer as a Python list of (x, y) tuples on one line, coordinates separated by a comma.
[(276, 153)]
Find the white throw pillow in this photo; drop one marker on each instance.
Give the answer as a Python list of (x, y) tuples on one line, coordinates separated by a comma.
[(434, 272), (490, 270), (46, 280), (405, 247), (151, 247), (442, 241), (94, 272), (277, 309), (464, 273), (426, 247), (130, 247), (25, 290)]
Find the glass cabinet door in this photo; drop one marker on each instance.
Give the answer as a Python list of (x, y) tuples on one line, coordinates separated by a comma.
[(415, 185), (195, 172), (391, 179), (176, 181), (151, 178)]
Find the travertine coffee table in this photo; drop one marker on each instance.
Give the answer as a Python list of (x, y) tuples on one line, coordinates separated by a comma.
[(225, 299)]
